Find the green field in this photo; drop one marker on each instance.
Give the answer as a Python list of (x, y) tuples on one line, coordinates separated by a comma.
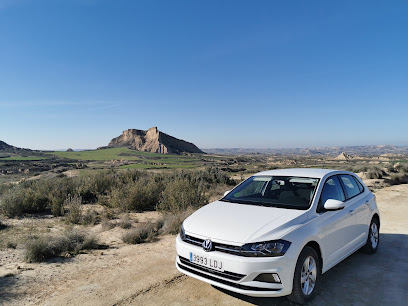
[(167, 166), (145, 160), (108, 154), (22, 158)]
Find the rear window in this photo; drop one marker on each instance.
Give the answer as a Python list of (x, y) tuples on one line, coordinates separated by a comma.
[(350, 185)]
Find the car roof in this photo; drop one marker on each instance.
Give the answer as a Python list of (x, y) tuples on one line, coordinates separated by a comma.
[(302, 172)]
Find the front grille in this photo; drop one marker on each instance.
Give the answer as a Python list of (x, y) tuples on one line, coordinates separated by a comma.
[(225, 248), (225, 274), (223, 281)]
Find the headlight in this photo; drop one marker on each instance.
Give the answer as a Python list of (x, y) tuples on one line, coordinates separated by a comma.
[(266, 248), (182, 233)]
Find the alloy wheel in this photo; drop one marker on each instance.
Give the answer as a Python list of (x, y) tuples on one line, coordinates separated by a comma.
[(308, 275), (374, 235)]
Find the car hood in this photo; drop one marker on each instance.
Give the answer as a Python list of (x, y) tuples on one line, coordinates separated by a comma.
[(242, 223)]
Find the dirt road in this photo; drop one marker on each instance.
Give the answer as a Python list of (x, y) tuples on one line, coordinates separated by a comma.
[(146, 274)]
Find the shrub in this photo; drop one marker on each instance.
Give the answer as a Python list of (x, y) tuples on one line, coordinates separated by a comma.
[(107, 224), (179, 195), (397, 179), (91, 217), (18, 201), (11, 245), (143, 233), (38, 249), (4, 188), (125, 222), (172, 221), (141, 195), (74, 214), (376, 173)]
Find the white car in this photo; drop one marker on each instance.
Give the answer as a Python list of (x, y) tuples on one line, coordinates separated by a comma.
[(278, 231)]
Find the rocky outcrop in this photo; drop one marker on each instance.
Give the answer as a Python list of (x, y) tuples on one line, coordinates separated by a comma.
[(344, 156), (152, 140)]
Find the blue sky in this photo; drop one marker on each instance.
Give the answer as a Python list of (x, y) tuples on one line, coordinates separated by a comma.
[(259, 74)]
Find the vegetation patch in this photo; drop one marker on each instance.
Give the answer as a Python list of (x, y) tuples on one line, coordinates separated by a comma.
[(39, 249), (145, 232), (172, 221)]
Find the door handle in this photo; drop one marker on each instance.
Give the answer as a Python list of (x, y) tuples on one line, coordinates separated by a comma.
[(367, 202), (351, 212)]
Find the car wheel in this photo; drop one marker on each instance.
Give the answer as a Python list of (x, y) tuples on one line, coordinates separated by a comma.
[(307, 276), (373, 239)]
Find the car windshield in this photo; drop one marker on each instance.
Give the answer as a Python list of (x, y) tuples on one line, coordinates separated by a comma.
[(275, 191)]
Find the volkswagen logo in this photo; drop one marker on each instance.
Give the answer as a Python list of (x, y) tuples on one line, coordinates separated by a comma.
[(207, 245)]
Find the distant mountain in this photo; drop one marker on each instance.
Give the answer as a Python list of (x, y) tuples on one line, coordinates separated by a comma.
[(374, 150), (152, 140)]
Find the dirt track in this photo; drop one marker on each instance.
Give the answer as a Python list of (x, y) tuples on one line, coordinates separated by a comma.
[(146, 274)]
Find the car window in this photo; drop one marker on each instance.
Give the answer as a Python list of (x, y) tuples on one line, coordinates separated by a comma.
[(360, 187), (331, 190), (350, 185), (275, 191)]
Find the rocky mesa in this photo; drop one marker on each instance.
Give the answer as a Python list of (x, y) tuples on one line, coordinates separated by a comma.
[(152, 140)]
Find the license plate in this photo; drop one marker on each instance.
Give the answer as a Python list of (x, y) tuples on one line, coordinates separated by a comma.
[(207, 262)]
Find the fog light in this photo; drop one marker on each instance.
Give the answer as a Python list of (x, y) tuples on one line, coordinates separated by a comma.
[(268, 278)]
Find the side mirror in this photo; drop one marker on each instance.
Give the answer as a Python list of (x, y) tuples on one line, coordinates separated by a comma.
[(227, 192), (332, 204)]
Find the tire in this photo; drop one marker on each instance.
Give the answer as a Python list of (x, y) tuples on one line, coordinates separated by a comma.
[(373, 239), (302, 290)]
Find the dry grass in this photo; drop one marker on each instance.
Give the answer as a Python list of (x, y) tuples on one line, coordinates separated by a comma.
[(107, 224), (172, 221), (125, 222), (143, 233), (38, 249)]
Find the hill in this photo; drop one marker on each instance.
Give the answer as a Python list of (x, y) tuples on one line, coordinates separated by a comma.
[(153, 141), (344, 156), (6, 148)]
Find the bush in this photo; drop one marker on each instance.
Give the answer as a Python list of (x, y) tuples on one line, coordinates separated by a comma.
[(107, 224), (179, 195), (397, 179), (143, 233), (91, 217), (172, 221), (141, 195), (74, 214), (38, 249), (376, 173), (129, 190), (11, 245), (17, 201), (125, 222)]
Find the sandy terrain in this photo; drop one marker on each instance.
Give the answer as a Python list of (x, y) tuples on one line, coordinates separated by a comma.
[(146, 274)]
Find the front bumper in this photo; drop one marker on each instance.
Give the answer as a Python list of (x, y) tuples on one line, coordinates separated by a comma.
[(240, 272)]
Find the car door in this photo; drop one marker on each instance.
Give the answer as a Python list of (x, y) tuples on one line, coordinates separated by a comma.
[(337, 226), (358, 204)]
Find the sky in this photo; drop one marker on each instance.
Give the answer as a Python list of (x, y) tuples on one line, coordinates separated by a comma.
[(220, 74)]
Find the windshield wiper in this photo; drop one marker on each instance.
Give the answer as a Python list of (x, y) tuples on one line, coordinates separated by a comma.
[(251, 202), (225, 200)]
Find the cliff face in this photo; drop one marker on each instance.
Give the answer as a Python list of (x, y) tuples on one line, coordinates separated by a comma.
[(152, 140)]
